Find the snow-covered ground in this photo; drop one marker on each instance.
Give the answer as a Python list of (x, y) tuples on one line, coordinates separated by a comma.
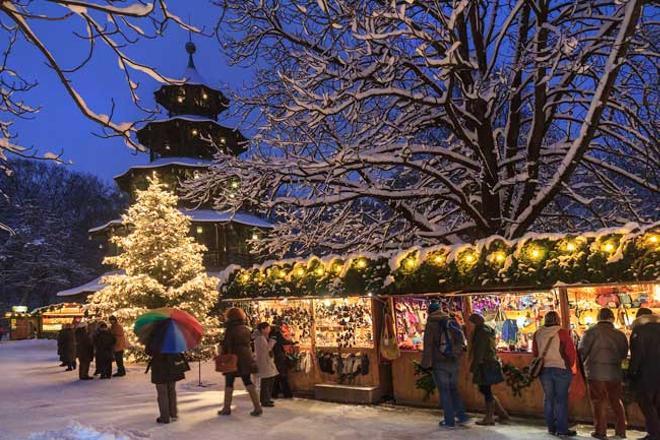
[(39, 401)]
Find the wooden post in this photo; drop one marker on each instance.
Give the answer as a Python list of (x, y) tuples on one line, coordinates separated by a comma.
[(564, 308)]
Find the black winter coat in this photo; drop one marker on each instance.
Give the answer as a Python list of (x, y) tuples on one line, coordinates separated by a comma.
[(167, 368), (103, 345), (68, 352), (238, 341), (84, 345), (281, 361), (645, 353)]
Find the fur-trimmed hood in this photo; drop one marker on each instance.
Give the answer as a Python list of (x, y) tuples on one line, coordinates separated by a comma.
[(646, 319)]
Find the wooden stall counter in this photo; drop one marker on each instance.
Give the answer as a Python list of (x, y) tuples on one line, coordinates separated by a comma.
[(528, 403)]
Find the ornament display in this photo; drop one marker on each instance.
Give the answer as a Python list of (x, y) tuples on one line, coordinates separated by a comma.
[(411, 314), (344, 323)]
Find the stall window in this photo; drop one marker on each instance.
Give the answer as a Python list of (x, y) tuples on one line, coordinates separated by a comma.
[(623, 300), (410, 316), (344, 323), (515, 317), (293, 316)]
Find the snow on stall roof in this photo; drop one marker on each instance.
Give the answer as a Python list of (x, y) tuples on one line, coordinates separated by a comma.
[(209, 216), (90, 287), (169, 161)]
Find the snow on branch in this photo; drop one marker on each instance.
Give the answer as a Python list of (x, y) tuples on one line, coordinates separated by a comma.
[(419, 122)]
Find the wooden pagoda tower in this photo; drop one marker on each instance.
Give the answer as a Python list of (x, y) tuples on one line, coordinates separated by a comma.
[(180, 145)]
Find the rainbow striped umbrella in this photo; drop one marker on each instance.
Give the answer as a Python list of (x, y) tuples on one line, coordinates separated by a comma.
[(168, 330)]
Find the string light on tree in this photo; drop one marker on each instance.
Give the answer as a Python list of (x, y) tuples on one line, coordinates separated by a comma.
[(498, 257), (361, 263), (608, 247), (162, 267)]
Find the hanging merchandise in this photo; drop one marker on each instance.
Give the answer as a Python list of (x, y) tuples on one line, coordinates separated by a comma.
[(344, 323), (389, 349), (410, 314), (510, 331)]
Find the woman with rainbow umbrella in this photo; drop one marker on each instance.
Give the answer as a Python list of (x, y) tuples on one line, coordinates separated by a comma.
[(167, 333)]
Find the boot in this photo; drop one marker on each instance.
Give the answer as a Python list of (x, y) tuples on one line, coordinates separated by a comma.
[(226, 408), (254, 396), (502, 416), (488, 418)]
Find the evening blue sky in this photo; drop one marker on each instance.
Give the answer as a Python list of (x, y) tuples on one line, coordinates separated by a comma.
[(59, 126)]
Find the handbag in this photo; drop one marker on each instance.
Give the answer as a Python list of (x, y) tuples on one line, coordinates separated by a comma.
[(491, 372), (226, 363), (536, 365), (389, 348), (181, 364)]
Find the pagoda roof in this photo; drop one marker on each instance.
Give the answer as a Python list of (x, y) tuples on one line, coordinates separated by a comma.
[(161, 162), (209, 216)]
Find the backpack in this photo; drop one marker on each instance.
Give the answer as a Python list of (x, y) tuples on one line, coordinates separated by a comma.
[(452, 342)]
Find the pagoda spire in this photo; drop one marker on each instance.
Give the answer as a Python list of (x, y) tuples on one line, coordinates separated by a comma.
[(191, 49)]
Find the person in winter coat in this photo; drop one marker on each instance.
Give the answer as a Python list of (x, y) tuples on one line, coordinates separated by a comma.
[(84, 351), (281, 384), (103, 345), (602, 349), (121, 343), (557, 372), (60, 343), (444, 345), (237, 341), (645, 368), (486, 368), (69, 347), (166, 371), (266, 369)]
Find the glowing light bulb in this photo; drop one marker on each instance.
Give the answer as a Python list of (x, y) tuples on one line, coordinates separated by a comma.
[(319, 271), (204, 96), (608, 247), (245, 277), (570, 246), (199, 229), (535, 253), (499, 256), (653, 238), (179, 98), (337, 267), (469, 258), (299, 272), (409, 263), (234, 184), (361, 263), (438, 259), (194, 132)]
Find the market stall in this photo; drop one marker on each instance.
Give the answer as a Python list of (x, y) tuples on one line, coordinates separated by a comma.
[(515, 315), (514, 283), (51, 318), (22, 325), (335, 356)]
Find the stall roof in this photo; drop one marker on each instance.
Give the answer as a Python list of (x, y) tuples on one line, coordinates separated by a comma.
[(90, 287)]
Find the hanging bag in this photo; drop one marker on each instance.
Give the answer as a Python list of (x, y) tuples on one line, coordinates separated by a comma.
[(491, 372), (389, 349), (536, 365), (226, 363)]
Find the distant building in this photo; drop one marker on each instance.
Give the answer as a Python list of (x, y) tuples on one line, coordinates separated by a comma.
[(181, 145)]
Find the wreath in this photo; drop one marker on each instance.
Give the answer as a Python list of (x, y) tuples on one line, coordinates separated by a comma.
[(517, 379)]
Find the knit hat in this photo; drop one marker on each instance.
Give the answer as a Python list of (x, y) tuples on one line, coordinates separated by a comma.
[(434, 307)]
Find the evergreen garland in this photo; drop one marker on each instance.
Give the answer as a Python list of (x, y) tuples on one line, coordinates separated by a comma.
[(535, 260)]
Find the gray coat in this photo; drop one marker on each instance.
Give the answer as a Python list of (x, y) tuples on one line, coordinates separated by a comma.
[(437, 323), (602, 349)]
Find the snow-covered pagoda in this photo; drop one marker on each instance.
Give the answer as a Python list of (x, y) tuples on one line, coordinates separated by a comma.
[(180, 145)]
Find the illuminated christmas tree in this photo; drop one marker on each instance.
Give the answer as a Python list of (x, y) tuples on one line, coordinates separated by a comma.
[(161, 266)]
